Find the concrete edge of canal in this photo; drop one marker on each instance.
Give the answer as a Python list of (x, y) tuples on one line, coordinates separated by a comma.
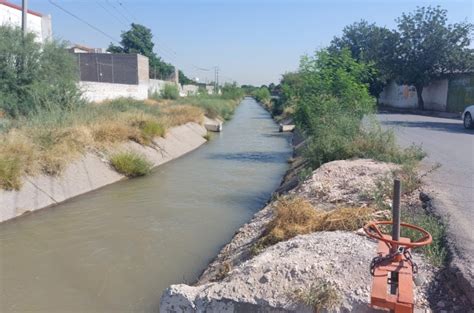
[(92, 171)]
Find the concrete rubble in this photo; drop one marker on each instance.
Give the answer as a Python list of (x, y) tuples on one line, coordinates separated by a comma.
[(240, 281)]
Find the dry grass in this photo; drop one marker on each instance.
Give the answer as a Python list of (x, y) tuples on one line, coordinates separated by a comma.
[(48, 142), (321, 295), (296, 216), (174, 115)]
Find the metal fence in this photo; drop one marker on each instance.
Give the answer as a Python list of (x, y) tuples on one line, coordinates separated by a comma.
[(108, 68)]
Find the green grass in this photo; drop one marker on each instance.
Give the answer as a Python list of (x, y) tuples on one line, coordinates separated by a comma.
[(436, 252), (151, 129), (131, 164)]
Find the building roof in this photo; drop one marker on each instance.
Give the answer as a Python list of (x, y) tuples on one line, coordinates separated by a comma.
[(18, 7)]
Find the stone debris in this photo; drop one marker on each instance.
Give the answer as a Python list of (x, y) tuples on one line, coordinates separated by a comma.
[(240, 281), (343, 182), (269, 282)]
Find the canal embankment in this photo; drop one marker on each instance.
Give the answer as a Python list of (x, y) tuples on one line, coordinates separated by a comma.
[(93, 171), (51, 157), (305, 250), (118, 247)]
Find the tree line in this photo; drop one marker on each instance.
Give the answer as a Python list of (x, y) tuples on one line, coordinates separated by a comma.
[(421, 49)]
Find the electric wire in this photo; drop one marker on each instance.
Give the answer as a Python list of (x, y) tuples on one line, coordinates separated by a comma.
[(83, 21)]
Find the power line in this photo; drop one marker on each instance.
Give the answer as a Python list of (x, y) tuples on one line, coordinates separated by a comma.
[(83, 21), (126, 19), (110, 13), (127, 11)]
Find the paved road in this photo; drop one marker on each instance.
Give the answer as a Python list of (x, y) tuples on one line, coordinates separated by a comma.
[(448, 143)]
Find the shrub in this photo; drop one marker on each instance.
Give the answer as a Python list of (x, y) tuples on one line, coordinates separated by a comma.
[(262, 95), (131, 164), (170, 91), (35, 77), (232, 91)]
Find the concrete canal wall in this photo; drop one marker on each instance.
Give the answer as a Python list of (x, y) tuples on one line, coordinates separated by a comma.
[(93, 171)]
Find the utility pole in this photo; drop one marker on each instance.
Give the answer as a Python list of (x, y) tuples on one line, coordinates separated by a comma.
[(24, 13), (216, 80)]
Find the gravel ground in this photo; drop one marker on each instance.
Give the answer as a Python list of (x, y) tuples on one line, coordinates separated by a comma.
[(238, 281), (269, 281)]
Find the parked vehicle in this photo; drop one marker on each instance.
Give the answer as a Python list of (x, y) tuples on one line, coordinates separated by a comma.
[(467, 117)]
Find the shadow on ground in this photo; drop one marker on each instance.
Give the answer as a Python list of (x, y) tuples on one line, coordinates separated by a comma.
[(439, 126)]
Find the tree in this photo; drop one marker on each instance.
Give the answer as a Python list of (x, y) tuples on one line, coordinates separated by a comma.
[(183, 79), (429, 47), (139, 39), (373, 45)]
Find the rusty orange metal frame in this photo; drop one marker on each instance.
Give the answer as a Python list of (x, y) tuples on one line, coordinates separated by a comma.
[(402, 301)]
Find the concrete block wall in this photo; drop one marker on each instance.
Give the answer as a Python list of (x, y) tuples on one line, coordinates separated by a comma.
[(157, 85), (143, 69), (189, 90)]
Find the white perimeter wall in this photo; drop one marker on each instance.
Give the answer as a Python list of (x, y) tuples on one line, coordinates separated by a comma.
[(157, 85), (96, 92), (435, 96), (12, 17)]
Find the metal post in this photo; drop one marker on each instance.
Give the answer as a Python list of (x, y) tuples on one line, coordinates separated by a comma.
[(24, 13), (396, 211)]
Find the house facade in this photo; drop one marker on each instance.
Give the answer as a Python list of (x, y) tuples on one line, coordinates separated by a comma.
[(37, 23)]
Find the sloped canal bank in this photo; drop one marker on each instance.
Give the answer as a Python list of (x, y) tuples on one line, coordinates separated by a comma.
[(117, 248)]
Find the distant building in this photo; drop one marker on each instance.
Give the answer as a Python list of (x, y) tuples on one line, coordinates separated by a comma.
[(37, 23), (76, 48)]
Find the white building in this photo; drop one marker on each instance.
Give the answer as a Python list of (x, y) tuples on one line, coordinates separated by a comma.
[(37, 23)]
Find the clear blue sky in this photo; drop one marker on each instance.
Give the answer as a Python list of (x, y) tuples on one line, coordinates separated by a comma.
[(252, 41)]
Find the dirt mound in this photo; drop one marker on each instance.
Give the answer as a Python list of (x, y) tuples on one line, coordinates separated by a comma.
[(348, 182)]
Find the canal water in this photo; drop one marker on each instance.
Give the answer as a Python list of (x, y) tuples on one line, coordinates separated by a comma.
[(117, 248)]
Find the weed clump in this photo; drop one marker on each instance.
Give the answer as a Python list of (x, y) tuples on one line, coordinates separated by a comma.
[(10, 173), (131, 164), (321, 295), (295, 216)]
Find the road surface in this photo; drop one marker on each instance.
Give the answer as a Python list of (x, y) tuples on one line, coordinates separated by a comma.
[(448, 143)]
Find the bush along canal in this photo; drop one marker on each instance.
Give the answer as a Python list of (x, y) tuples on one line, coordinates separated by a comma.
[(117, 248)]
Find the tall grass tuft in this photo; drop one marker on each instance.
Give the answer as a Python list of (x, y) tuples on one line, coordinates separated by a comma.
[(131, 164)]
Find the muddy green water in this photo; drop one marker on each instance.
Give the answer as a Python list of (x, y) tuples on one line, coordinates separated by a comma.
[(117, 248)]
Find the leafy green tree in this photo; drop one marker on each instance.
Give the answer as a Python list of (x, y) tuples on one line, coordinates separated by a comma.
[(370, 44), (331, 99), (232, 91), (262, 95), (139, 39), (183, 79), (35, 77), (429, 47)]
